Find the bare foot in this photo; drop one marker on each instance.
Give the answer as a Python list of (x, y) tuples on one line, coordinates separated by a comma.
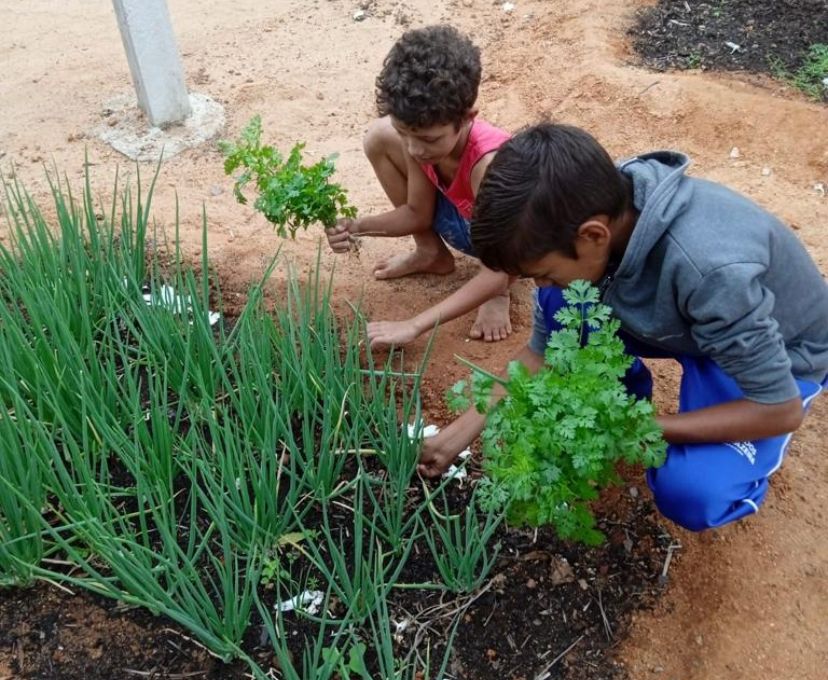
[(415, 262), (492, 323)]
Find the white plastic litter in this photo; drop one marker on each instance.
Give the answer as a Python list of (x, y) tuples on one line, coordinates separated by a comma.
[(310, 602), (428, 431), (458, 472), (167, 297)]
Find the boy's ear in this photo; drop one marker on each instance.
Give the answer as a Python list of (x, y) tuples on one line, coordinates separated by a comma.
[(471, 114), (595, 231)]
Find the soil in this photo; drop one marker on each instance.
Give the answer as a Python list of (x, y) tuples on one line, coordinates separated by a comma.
[(769, 35), (746, 601), (546, 607)]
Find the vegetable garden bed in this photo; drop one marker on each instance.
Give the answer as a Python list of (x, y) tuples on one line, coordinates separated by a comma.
[(171, 488)]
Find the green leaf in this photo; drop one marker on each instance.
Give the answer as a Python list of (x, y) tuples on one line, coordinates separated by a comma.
[(557, 436), (292, 196)]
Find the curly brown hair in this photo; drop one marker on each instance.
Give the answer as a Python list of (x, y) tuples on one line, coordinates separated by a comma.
[(430, 77)]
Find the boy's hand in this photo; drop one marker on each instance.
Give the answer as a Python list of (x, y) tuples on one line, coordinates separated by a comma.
[(383, 333), (435, 457), (339, 237)]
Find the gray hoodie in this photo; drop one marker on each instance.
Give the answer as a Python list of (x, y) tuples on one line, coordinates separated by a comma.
[(708, 272)]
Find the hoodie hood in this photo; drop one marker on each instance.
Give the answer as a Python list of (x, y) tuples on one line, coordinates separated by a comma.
[(660, 196)]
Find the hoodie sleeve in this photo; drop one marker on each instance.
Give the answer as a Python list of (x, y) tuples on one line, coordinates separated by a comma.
[(732, 323)]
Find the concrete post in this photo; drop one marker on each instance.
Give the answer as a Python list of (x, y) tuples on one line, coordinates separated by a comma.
[(154, 60)]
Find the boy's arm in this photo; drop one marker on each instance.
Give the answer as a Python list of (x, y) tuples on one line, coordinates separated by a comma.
[(415, 215), (479, 170), (441, 450), (740, 420), (733, 324), (484, 286)]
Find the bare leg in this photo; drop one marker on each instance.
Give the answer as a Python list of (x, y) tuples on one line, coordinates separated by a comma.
[(383, 147), (493, 323)]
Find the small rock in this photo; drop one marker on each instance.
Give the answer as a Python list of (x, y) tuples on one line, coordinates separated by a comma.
[(766, 172), (561, 572), (699, 640), (634, 491), (359, 15), (216, 190), (531, 584), (628, 545), (819, 187), (584, 585), (735, 153), (825, 83), (658, 669), (320, 96), (508, 7)]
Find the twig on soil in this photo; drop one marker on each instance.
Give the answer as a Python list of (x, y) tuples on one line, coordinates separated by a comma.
[(650, 86), (544, 674), (169, 676), (662, 579), (491, 614), (457, 610), (607, 627)]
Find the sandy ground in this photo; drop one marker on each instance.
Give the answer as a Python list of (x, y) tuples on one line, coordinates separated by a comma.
[(748, 601)]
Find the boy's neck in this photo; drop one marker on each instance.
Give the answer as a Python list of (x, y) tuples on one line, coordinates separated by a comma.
[(622, 230), (447, 167), (462, 140)]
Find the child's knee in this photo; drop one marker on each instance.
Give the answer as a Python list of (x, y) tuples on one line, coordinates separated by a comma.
[(697, 500)]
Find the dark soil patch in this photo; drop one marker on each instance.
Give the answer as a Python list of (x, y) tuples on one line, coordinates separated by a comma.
[(758, 36), (545, 598)]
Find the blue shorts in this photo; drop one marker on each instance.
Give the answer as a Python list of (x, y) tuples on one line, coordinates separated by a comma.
[(701, 486), (452, 227)]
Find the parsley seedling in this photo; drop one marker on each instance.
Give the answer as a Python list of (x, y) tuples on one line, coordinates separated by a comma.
[(290, 195), (556, 437)]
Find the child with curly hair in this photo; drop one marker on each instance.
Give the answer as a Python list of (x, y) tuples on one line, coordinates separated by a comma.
[(430, 151)]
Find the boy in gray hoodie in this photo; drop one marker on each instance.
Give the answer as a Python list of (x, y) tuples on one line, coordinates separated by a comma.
[(694, 271)]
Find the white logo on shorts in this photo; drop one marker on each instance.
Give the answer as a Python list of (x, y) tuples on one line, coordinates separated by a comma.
[(746, 449)]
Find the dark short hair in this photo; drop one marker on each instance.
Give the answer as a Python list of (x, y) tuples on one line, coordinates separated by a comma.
[(540, 187), (430, 77)]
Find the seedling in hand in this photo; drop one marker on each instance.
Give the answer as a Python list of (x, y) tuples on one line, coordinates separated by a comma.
[(291, 195)]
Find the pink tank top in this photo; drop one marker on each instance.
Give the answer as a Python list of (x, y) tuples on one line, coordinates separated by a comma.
[(483, 139)]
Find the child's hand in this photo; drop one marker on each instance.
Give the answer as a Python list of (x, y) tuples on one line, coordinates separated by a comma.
[(435, 457), (382, 333), (339, 237)]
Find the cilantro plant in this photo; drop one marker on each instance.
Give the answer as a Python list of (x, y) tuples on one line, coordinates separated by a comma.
[(555, 438), (291, 195)]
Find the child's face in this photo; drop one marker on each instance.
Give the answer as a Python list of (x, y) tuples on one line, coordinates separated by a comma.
[(592, 248), (429, 145)]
